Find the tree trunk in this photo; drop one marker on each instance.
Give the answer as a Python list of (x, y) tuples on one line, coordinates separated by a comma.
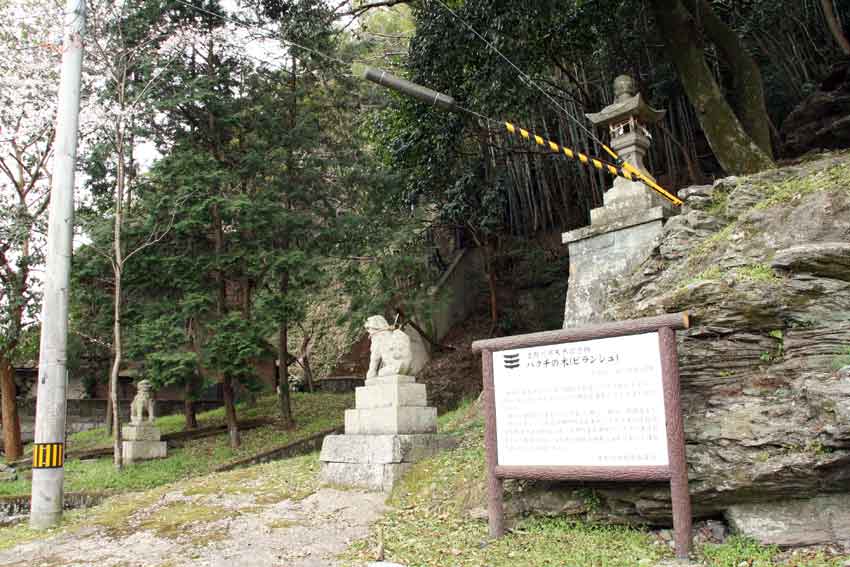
[(835, 25), (12, 446), (304, 360), (189, 407), (284, 401), (308, 373), (108, 408), (117, 270), (491, 285), (117, 457), (734, 148), (747, 86), (230, 413)]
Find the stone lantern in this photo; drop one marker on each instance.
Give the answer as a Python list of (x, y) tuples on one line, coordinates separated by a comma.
[(627, 120), (622, 233)]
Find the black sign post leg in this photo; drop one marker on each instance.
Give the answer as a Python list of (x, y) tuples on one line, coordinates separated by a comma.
[(495, 504), (681, 498)]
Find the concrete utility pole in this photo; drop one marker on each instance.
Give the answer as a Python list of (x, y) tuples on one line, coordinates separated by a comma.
[(48, 471)]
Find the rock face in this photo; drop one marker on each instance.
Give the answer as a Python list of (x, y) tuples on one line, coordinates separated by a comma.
[(821, 121), (762, 264), (820, 520)]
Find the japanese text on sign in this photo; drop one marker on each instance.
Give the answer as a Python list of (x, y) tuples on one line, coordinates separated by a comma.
[(589, 403)]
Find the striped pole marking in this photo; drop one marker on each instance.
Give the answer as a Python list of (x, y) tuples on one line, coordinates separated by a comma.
[(627, 171), (48, 455)]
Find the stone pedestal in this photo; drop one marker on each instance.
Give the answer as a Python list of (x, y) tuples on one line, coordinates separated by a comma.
[(390, 428), (142, 442), (606, 252)]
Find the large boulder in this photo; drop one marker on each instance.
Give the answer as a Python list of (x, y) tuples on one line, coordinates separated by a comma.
[(821, 120), (761, 263)]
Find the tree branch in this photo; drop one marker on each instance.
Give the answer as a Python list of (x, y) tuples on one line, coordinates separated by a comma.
[(363, 8)]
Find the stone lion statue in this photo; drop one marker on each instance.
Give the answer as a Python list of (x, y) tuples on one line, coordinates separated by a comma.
[(141, 402), (393, 351)]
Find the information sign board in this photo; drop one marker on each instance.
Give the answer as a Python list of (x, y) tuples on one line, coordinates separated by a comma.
[(592, 403), (597, 403)]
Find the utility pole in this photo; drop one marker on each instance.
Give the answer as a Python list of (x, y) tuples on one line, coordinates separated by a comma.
[(48, 472)]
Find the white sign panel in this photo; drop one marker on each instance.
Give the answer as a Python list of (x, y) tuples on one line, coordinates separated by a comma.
[(589, 403)]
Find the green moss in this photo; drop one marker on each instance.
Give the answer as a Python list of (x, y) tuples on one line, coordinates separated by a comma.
[(11, 536), (701, 253), (757, 273), (841, 360), (832, 178), (263, 482), (712, 273), (174, 520), (281, 524), (113, 514), (591, 499)]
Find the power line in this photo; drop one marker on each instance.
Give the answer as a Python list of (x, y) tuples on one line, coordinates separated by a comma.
[(627, 166), (263, 32), (523, 74)]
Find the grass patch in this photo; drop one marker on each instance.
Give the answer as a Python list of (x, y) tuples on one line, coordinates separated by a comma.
[(757, 273), (307, 407), (712, 273), (835, 177), (429, 524), (737, 550), (313, 414), (702, 250)]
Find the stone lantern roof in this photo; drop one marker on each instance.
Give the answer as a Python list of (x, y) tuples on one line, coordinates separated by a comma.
[(628, 103)]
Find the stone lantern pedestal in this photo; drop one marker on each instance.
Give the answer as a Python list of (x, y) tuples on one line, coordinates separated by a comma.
[(623, 232)]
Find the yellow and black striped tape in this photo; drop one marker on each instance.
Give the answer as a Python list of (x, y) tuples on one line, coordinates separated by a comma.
[(48, 455), (626, 171)]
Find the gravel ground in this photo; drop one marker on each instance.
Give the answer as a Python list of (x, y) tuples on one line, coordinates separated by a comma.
[(233, 530)]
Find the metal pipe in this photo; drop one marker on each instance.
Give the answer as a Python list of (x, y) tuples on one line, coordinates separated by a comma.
[(424, 94)]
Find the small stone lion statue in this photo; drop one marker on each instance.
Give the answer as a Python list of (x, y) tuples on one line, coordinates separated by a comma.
[(391, 351), (141, 402)]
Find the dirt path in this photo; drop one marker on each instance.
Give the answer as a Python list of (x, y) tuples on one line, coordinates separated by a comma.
[(210, 526)]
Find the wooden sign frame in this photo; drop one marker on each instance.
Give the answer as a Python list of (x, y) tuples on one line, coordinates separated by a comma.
[(676, 471)]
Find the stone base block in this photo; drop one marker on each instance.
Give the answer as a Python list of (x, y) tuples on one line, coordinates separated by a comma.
[(600, 255), (371, 476), (391, 420), (143, 450), (140, 432), (390, 379), (389, 395), (383, 449)]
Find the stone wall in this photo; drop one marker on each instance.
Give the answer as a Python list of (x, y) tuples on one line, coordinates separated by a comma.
[(83, 415), (16, 508), (455, 296)]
